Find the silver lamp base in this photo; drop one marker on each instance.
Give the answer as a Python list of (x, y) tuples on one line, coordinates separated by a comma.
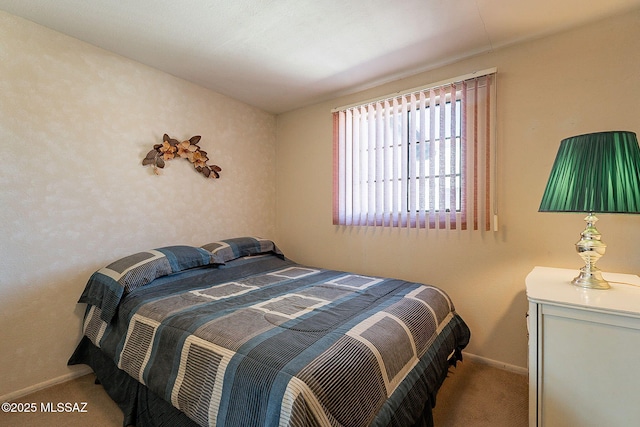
[(591, 279), (590, 248)]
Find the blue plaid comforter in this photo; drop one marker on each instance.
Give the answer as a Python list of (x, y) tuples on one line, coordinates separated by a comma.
[(263, 341)]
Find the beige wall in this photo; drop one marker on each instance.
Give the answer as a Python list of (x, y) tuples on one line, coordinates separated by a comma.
[(75, 124), (581, 81)]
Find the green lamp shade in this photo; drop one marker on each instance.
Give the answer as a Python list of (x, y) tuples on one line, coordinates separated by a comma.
[(596, 172)]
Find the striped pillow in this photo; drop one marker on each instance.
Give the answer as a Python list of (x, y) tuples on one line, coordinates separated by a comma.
[(230, 249), (106, 286)]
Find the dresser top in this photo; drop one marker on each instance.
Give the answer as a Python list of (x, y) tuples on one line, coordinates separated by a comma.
[(553, 286)]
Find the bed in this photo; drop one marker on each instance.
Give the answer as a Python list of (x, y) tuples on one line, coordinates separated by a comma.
[(234, 333)]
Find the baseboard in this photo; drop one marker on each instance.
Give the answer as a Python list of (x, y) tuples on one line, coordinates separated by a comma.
[(79, 372), (494, 363)]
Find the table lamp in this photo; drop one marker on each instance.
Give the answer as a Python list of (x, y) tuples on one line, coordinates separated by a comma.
[(594, 173)]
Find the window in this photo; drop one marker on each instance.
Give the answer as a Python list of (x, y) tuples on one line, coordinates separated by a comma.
[(423, 159)]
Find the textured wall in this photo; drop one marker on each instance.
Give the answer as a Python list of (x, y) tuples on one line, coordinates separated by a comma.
[(75, 123), (580, 81)]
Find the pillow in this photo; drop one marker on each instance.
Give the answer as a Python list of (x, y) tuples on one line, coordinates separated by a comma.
[(230, 249), (106, 286), (185, 257), (141, 268)]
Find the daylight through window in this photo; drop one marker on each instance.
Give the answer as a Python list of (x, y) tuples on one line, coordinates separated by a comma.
[(421, 159)]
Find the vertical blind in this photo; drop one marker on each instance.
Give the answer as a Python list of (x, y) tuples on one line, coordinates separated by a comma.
[(423, 159)]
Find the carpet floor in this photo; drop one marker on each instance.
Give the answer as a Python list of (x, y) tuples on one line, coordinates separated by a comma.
[(478, 395), (473, 395)]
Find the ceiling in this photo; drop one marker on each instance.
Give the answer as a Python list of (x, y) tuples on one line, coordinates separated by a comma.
[(279, 55)]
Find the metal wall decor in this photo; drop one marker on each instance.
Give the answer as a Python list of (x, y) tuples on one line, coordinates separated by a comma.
[(172, 148)]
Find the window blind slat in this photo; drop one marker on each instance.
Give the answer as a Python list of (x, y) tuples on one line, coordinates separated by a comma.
[(388, 164), (453, 185), (441, 160), (347, 127), (432, 157), (423, 157), (464, 155), (377, 155), (413, 174), (371, 166), (363, 173), (357, 169), (395, 169), (338, 168), (488, 154), (404, 173), (476, 146)]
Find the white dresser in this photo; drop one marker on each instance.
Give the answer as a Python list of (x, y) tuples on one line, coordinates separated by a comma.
[(584, 351)]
